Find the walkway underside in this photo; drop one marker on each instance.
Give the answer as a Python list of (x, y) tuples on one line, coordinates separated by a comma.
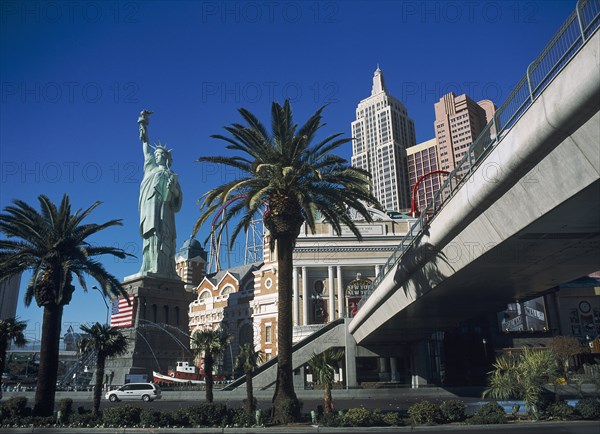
[(527, 220)]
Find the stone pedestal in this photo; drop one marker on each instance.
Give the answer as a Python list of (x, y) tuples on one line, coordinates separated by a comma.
[(160, 334)]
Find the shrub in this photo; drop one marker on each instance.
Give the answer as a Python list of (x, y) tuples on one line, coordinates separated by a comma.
[(181, 418), (16, 407), (490, 413), (331, 419), (491, 408), (83, 420), (208, 414), (155, 418), (392, 419), (489, 419), (65, 406), (588, 408), (239, 417), (453, 411), (559, 410), (126, 416), (358, 417), (423, 413)]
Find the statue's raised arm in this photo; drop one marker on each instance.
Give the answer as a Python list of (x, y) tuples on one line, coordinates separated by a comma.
[(143, 122)]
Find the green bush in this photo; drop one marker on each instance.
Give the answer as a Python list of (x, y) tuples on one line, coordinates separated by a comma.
[(181, 418), (210, 414), (423, 413), (489, 419), (331, 419), (239, 417), (392, 419), (16, 407), (358, 417), (491, 408), (453, 411), (588, 408), (83, 420), (559, 410), (155, 418), (126, 416), (65, 406)]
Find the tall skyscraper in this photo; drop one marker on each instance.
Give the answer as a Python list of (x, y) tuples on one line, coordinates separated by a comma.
[(458, 122), (382, 132), (9, 294), (423, 159)]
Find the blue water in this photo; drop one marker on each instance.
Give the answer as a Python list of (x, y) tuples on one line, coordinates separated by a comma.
[(473, 407)]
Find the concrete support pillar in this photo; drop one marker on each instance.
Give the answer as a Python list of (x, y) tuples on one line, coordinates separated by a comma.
[(296, 297), (384, 369), (350, 355), (331, 289), (305, 297), (340, 291), (418, 363), (395, 376), (377, 270)]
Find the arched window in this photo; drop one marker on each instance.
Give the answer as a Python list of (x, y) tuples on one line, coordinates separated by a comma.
[(166, 314), (177, 315), (204, 295), (227, 290), (154, 313)]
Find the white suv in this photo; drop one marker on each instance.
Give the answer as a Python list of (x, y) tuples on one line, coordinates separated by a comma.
[(144, 391)]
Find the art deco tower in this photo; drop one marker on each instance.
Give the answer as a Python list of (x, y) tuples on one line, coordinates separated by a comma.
[(382, 132)]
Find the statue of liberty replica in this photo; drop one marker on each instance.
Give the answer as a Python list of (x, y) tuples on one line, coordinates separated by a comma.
[(160, 199), (156, 321)]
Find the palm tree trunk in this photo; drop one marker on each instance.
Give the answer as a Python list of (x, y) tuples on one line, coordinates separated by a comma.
[(328, 398), (3, 346), (100, 363), (47, 374), (208, 368), (284, 390), (249, 394)]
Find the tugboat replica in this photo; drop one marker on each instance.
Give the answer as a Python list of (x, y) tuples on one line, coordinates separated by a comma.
[(184, 373)]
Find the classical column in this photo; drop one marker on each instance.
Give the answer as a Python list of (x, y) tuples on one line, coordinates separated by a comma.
[(296, 297), (394, 369), (377, 270), (305, 297), (340, 288), (331, 288)]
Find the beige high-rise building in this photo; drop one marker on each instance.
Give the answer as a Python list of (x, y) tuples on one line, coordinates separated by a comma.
[(423, 160), (458, 122), (382, 133)]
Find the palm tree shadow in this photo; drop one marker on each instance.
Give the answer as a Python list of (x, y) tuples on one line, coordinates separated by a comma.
[(420, 265)]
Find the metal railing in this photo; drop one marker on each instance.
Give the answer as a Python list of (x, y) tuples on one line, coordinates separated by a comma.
[(571, 36)]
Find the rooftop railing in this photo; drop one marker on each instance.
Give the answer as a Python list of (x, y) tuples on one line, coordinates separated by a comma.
[(571, 36)]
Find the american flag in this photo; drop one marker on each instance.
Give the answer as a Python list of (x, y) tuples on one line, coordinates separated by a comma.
[(122, 313)]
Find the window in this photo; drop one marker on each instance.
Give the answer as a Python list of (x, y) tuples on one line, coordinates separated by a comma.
[(227, 290), (268, 333), (166, 314)]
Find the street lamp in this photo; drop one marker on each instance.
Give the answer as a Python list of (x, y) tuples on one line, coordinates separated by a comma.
[(103, 299)]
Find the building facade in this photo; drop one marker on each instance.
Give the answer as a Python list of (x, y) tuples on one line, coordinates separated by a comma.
[(9, 295), (382, 132), (423, 160), (458, 122)]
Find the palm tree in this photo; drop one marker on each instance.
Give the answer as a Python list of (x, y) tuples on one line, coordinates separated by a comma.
[(248, 359), (522, 376), (52, 244), (299, 183), (11, 330), (106, 342), (209, 344), (323, 367)]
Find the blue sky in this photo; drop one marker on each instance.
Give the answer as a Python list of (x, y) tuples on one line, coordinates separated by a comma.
[(74, 76)]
